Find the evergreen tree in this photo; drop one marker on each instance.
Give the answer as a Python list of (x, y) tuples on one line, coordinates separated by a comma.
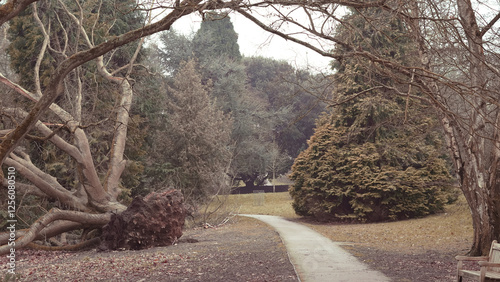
[(377, 156), (197, 142), (270, 110), (176, 48), (216, 38), (291, 109), (215, 46)]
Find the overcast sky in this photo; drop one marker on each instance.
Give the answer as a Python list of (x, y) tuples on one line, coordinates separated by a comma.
[(254, 41)]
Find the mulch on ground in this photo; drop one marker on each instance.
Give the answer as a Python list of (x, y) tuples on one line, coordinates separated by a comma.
[(404, 267), (245, 250)]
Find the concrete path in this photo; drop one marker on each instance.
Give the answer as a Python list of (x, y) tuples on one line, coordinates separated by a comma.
[(317, 258)]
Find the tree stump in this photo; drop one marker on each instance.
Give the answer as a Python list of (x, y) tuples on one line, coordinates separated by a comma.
[(156, 220)]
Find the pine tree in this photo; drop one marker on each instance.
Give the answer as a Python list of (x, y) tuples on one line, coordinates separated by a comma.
[(377, 156), (215, 38), (197, 138)]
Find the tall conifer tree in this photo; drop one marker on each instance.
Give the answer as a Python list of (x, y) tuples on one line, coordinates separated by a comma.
[(215, 38), (377, 156), (198, 137)]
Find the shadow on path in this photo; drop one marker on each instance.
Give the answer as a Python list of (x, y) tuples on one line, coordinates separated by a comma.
[(317, 258)]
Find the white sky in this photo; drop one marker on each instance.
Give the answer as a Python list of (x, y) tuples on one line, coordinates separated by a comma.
[(254, 41)]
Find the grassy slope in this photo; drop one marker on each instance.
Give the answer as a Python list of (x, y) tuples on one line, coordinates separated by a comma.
[(448, 231)]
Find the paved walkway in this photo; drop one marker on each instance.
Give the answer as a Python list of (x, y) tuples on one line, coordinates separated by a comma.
[(317, 258)]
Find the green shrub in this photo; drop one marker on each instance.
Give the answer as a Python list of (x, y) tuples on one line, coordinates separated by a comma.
[(370, 181), (379, 155)]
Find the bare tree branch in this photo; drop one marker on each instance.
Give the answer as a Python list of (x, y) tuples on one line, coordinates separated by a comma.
[(45, 43), (488, 27), (25, 189), (54, 214), (55, 87), (52, 230), (46, 183), (285, 36), (50, 135)]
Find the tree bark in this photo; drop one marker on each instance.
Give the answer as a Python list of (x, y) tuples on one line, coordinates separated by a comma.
[(50, 231), (53, 215), (55, 86), (476, 184), (85, 219)]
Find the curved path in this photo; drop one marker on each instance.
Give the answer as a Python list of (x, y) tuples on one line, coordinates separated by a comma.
[(317, 258)]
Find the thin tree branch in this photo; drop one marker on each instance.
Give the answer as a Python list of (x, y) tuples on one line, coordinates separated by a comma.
[(489, 25), (41, 54)]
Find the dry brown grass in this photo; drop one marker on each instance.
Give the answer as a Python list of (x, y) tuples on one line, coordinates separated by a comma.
[(279, 204), (445, 232), (450, 231)]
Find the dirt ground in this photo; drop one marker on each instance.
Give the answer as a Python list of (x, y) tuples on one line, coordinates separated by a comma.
[(430, 266), (245, 250)]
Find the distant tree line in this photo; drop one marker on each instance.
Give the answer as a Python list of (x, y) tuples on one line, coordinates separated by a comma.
[(264, 105)]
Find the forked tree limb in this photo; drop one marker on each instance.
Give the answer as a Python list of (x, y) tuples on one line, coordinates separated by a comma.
[(85, 219), (50, 231), (116, 163), (76, 247), (56, 109), (59, 142), (80, 153), (46, 184)]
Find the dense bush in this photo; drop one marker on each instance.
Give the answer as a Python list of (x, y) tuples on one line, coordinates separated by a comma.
[(373, 181), (379, 154)]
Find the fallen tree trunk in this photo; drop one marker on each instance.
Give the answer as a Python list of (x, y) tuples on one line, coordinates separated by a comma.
[(76, 247), (85, 219), (54, 229), (156, 220)]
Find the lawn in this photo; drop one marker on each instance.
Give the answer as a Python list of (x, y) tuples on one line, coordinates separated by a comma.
[(279, 204), (450, 230), (444, 232)]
